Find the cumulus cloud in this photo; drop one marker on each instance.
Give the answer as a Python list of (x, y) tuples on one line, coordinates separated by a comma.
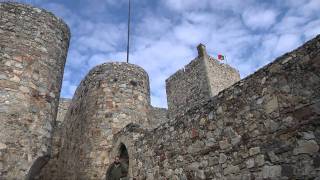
[(290, 24), (312, 29), (96, 59), (190, 34), (259, 18), (68, 89), (152, 27), (103, 37), (310, 8), (77, 60), (287, 42)]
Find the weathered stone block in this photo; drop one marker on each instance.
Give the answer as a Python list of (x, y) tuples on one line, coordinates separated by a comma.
[(306, 147), (254, 151), (271, 171), (223, 158), (250, 163), (231, 169)]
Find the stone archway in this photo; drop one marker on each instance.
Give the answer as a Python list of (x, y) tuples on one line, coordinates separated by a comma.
[(123, 156), (36, 168)]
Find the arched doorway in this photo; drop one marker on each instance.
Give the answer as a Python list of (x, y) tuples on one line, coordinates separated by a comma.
[(119, 168), (36, 168), (123, 154)]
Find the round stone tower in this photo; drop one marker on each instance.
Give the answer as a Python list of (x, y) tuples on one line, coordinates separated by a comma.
[(33, 50), (110, 97)]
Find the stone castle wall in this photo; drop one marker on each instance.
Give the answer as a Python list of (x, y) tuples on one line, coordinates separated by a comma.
[(33, 49), (263, 127), (220, 75), (157, 116), (63, 107), (201, 79), (111, 96), (51, 169), (187, 86)]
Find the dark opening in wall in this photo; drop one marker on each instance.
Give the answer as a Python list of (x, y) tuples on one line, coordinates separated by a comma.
[(133, 83), (123, 154), (108, 115), (36, 168), (122, 166)]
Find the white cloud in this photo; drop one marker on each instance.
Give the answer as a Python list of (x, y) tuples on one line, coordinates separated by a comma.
[(76, 59), (191, 34), (163, 54), (308, 9), (269, 42), (230, 5), (159, 101), (259, 18), (97, 59), (181, 5), (287, 42), (104, 37), (184, 6), (100, 6), (312, 29), (68, 89), (164, 37), (290, 24), (153, 27)]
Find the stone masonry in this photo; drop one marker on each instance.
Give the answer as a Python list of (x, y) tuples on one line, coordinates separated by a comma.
[(63, 107), (111, 96), (201, 79), (33, 49), (265, 126)]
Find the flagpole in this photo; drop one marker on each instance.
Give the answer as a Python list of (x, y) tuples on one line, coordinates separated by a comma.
[(128, 41)]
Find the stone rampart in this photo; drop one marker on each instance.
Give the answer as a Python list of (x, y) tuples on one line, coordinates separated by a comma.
[(265, 126)]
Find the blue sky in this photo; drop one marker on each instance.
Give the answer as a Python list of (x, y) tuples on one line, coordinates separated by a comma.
[(165, 33)]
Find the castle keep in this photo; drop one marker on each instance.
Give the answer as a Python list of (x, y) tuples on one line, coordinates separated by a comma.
[(217, 126)]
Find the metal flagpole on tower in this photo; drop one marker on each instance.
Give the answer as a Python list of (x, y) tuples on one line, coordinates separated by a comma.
[(128, 42)]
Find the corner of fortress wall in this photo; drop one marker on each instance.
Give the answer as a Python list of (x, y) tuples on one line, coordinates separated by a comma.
[(33, 50), (265, 126)]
